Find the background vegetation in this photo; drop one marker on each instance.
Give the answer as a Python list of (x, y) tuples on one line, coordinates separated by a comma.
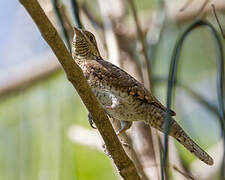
[(35, 120)]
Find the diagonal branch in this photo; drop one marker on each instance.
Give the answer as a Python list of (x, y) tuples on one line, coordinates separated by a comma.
[(75, 76), (217, 20)]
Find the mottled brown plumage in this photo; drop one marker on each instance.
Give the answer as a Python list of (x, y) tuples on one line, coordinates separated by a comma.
[(122, 96)]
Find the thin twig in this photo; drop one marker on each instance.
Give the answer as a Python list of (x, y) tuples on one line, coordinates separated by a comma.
[(130, 150), (57, 5), (201, 11), (145, 130), (66, 21), (143, 43), (174, 14), (93, 19), (75, 75), (188, 176), (185, 6), (76, 14), (217, 19)]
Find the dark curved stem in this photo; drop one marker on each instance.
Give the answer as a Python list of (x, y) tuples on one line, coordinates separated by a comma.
[(217, 20), (172, 80), (56, 5), (76, 14)]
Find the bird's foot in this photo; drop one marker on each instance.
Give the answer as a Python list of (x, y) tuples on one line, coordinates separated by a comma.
[(106, 151), (125, 144), (124, 126)]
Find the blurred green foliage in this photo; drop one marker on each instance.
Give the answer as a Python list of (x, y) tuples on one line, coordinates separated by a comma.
[(34, 135)]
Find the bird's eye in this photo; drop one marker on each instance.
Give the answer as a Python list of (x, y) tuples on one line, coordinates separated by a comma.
[(91, 38)]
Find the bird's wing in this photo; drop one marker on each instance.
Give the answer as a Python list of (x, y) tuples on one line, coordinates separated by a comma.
[(117, 77)]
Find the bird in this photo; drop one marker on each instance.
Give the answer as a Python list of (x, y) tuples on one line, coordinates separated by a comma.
[(122, 96)]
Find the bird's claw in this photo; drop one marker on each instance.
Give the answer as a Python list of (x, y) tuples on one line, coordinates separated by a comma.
[(91, 122), (124, 126), (106, 151), (125, 144)]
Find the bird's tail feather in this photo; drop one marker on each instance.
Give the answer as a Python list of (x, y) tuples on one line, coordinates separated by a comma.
[(178, 133)]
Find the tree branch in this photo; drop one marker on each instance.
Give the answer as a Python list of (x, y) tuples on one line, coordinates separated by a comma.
[(75, 76)]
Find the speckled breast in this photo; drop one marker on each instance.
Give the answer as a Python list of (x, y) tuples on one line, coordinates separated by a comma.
[(126, 107)]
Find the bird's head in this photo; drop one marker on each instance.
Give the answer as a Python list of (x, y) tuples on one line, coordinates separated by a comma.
[(84, 45)]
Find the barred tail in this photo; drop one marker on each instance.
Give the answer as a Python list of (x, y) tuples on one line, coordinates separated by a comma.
[(178, 133)]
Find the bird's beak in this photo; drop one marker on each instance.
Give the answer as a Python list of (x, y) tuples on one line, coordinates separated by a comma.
[(77, 30), (77, 33)]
